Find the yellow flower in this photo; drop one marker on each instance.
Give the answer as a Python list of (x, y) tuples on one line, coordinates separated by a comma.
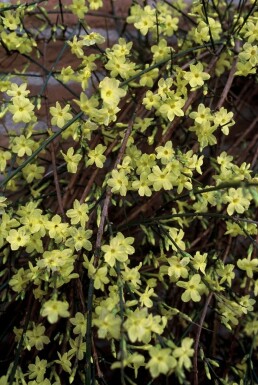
[(250, 266), (160, 51), (177, 236), (202, 115), (76, 47), (22, 145), (146, 19), (224, 119), (36, 337), (226, 273), (133, 360), (11, 20), (16, 90), (251, 31), (148, 78), (172, 107), (56, 229), (169, 24), (165, 153), (138, 325), (95, 4), (79, 321), (249, 53), (108, 325), (110, 91), (79, 213), (193, 288), (67, 74), (55, 259), (19, 281), (145, 297), (79, 239), (53, 309), (160, 178), (17, 238), (177, 268), (3, 205), (78, 348), (196, 76), (21, 109), (142, 185), (96, 156), (100, 278), (118, 182), (60, 115), (237, 202), (32, 171), (151, 100), (72, 160), (78, 8), (65, 362), (37, 370), (93, 38), (244, 68), (184, 353), (199, 261), (117, 250), (161, 362)]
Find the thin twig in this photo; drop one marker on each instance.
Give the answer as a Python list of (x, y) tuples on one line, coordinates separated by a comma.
[(52, 148), (245, 133), (100, 233), (198, 335), (228, 85), (197, 339)]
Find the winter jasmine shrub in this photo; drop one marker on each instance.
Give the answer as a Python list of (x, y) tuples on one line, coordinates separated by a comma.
[(128, 232)]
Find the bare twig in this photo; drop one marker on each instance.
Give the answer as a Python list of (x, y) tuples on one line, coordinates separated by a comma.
[(100, 233), (197, 339), (227, 86)]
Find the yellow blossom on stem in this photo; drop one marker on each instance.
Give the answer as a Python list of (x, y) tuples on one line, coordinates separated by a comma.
[(79, 321), (78, 8), (37, 370), (193, 288), (196, 76), (72, 160), (118, 182), (15, 90), (110, 91), (237, 201), (184, 353), (17, 238), (22, 145), (79, 213), (52, 309), (118, 249), (172, 107), (96, 156), (161, 362), (36, 337), (60, 116), (22, 109), (4, 157), (142, 185), (64, 361)]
